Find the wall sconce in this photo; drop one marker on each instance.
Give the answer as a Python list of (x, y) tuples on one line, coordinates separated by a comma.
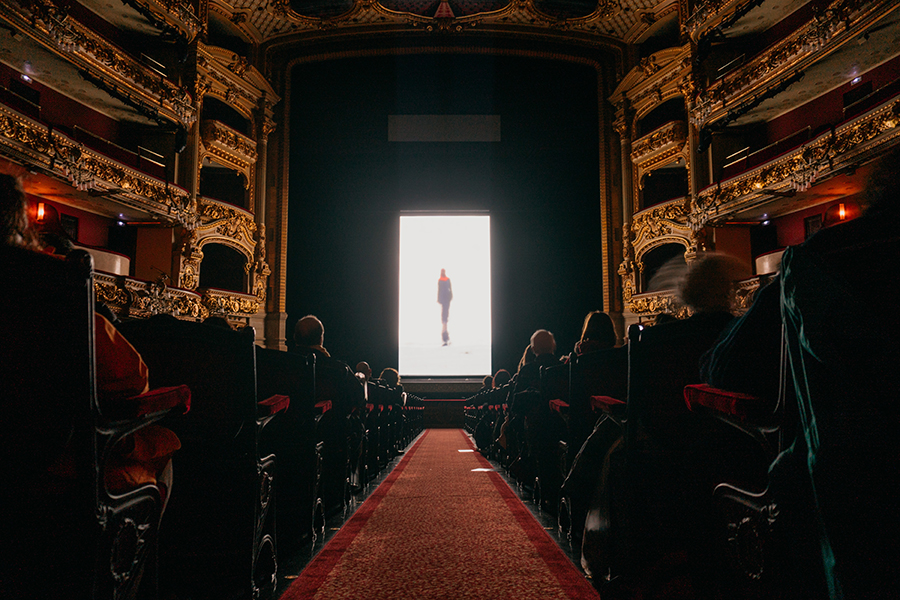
[(840, 213), (41, 213)]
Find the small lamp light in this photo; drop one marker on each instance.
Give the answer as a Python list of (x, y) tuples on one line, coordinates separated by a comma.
[(41, 212), (840, 213)]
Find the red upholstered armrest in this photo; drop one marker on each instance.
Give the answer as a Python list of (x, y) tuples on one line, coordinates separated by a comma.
[(324, 406), (160, 399), (605, 403), (559, 406), (734, 404), (273, 405), (370, 407), (504, 407)]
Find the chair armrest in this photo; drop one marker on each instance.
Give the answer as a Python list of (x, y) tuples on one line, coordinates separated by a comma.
[(166, 400), (272, 405), (605, 403), (323, 407), (734, 404), (559, 406)]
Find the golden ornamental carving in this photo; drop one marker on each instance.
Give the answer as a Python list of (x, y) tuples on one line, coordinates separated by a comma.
[(228, 222), (221, 304), (280, 18), (671, 133), (135, 298), (660, 220), (648, 65), (179, 13), (795, 50), (659, 302), (87, 47), (797, 168), (85, 168), (238, 65), (239, 147)]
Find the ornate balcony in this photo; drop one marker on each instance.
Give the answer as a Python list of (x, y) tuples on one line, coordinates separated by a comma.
[(782, 64), (135, 298), (228, 303), (38, 146), (661, 221), (228, 146), (660, 146), (103, 63), (798, 169)]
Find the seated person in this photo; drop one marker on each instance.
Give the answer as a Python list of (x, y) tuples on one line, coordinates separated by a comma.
[(597, 333), (144, 456), (834, 482)]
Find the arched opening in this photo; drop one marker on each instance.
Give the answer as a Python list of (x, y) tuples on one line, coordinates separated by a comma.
[(653, 277), (668, 111), (222, 268), (222, 34), (216, 110), (664, 184), (663, 34), (221, 183)]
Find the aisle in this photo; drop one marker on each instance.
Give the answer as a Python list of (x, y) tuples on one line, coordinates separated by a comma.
[(445, 526)]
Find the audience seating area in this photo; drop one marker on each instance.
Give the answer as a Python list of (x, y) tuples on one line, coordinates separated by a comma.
[(660, 482), (269, 446)]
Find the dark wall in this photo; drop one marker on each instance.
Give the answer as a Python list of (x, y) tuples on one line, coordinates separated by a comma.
[(348, 185)]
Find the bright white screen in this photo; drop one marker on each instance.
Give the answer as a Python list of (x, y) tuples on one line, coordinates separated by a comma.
[(462, 246)]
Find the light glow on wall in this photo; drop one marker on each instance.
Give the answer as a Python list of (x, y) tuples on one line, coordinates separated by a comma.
[(460, 244)]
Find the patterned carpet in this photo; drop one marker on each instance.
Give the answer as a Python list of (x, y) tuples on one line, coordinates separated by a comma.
[(444, 526)]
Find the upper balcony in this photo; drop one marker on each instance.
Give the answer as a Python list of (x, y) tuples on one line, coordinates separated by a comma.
[(62, 52), (779, 185), (100, 172), (171, 18), (659, 147), (813, 51)]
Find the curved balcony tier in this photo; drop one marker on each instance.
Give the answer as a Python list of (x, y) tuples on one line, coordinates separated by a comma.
[(808, 58), (798, 169), (229, 303), (136, 298), (106, 66), (227, 146), (667, 220), (39, 146), (659, 147)]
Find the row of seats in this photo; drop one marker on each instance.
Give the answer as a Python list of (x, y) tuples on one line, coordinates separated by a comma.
[(627, 450), (270, 445)]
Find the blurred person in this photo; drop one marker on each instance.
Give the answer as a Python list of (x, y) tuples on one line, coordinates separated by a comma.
[(445, 295)]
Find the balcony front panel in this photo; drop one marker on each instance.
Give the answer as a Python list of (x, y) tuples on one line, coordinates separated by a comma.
[(33, 143), (135, 298), (229, 303), (228, 146), (661, 221), (767, 72), (661, 146), (106, 64), (800, 168)]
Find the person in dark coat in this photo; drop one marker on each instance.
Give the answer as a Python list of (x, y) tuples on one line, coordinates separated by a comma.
[(445, 295)]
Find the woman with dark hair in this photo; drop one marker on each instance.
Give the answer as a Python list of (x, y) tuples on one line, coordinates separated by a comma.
[(597, 333), (15, 226)]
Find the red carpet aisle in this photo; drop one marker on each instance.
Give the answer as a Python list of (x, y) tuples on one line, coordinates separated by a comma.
[(438, 528)]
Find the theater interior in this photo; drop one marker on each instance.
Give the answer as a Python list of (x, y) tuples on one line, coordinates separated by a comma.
[(234, 162)]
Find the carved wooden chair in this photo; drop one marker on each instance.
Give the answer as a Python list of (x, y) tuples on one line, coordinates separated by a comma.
[(65, 535), (293, 439), (219, 535)]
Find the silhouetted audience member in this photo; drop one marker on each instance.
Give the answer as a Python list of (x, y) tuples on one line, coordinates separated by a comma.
[(597, 333), (363, 368), (391, 378), (501, 378), (144, 456), (838, 474)]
